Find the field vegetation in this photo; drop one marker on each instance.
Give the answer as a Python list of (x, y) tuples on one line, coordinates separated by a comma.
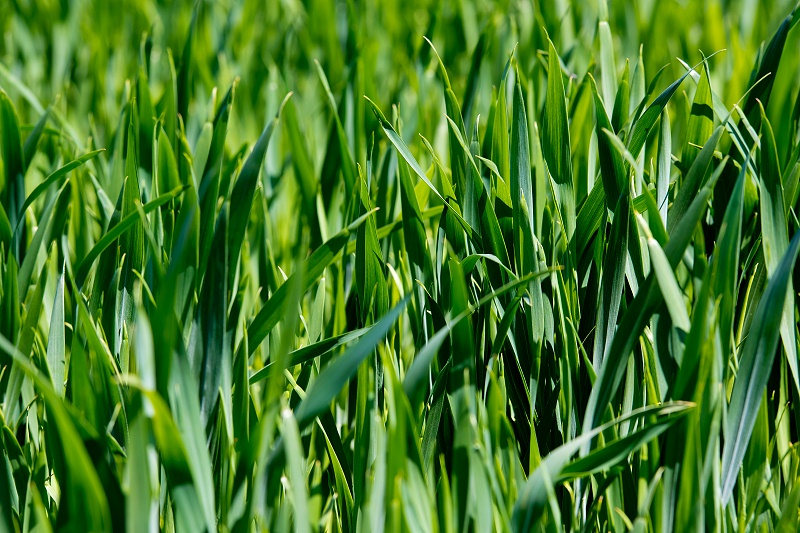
[(427, 266)]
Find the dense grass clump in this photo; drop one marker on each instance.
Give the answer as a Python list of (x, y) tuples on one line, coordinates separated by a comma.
[(461, 265)]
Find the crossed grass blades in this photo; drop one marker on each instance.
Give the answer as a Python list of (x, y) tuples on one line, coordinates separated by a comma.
[(295, 267)]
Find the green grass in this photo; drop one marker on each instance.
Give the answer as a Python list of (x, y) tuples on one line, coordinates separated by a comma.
[(402, 265)]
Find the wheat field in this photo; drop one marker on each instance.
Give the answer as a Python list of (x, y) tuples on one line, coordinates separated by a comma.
[(379, 265)]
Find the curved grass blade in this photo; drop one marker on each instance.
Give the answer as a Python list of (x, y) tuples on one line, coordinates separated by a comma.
[(556, 465), (56, 350), (403, 150), (418, 371), (32, 142), (613, 283), (555, 142), (53, 220), (314, 266), (331, 380), (755, 366), (639, 311), (693, 181), (307, 353), (124, 225), (774, 234), (612, 169), (84, 504), (52, 178)]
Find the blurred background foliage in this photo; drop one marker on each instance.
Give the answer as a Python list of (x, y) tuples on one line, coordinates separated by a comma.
[(86, 51)]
